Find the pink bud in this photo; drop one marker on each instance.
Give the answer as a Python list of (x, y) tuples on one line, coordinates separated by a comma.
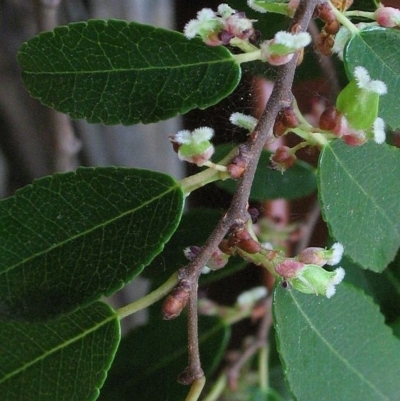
[(289, 268), (388, 17), (282, 159), (312, 256)]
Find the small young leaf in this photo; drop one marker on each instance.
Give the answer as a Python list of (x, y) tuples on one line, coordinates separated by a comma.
[(118, 72), (70, 238), (151, 357), (296, 182), (338, 348), (359, 197), (378, 50), (64, 359)]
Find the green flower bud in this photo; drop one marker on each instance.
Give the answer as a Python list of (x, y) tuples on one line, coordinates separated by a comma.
[(313, 279), (359, 100)]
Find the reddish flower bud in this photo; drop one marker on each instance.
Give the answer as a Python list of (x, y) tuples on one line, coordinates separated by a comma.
[(329, 118), (332, 27), (325, 12), (237, 167), (242, 239), (282, 159), (224, 247), (289, 268), (176, 301)]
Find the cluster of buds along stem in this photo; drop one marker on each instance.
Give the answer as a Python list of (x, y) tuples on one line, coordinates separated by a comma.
[(194, 147), (326, 39), (220, 27), (305, 273), (355, 117)]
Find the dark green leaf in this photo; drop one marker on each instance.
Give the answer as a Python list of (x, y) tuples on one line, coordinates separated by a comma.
[(359, 196), (383, 287), (151, 357), (378, 50), (65, 359), (194, 229), (338, 348), (298, 181), (118, 72), (70, 238)]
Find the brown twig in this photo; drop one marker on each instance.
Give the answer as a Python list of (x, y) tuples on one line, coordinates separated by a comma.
[(281, 97)]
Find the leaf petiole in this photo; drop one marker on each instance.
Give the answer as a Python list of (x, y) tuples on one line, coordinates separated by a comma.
[(149, 299)]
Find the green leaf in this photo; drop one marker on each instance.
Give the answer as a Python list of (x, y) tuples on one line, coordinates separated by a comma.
[(194, 229), (118, 72), (70, 238), (378, 50), (297, 182), (359, 196), (338, 348), (65, 359), (151, 357)]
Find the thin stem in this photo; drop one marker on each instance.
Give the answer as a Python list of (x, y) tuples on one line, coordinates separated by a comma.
[(358, 13), (263, 367), (215, 166), (149, 299), (344, 20), (246, 57), (217, 389), (207, 176), (195, 389), (281, 96)]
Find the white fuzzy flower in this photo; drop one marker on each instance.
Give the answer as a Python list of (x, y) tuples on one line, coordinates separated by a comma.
[(379, 131), (202, 134), (292, 41), (255, 5), (243, 121), (225, 11), (195, 26), (335, 280), (183, 137), (336, 255), (364, 81)]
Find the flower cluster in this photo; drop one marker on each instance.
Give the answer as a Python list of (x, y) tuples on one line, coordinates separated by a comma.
[(194, 147), (305, 273), (218, 28)]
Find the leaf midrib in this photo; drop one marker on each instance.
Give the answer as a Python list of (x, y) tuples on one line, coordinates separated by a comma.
[(133, 69), (58, 348), (86, 232), (335, 353)]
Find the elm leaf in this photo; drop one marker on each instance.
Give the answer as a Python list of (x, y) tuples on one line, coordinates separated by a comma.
[(337, 348), (63, 359), (359, 194), (117, 72), (70, 238)]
